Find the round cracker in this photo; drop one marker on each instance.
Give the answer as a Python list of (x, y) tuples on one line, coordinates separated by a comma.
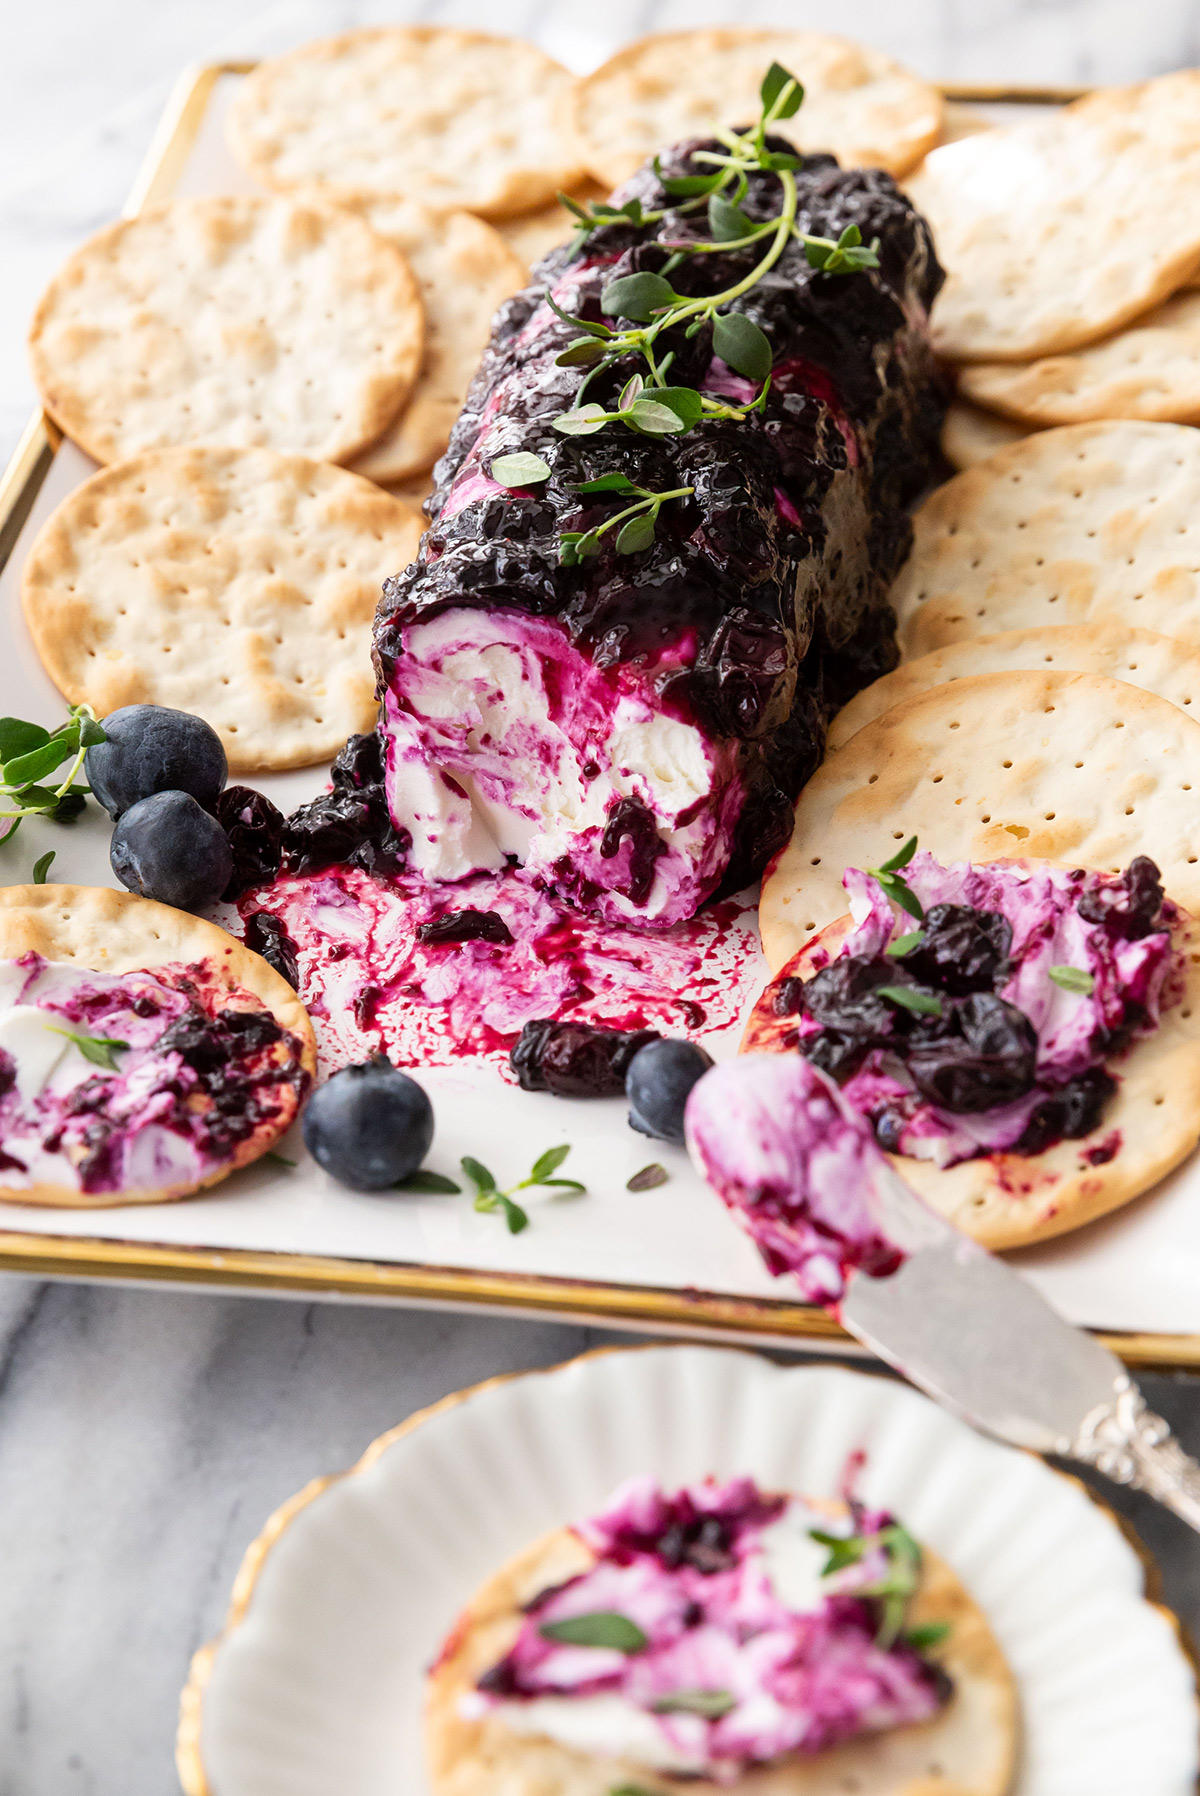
[(1151, 369), (968, 1750), (1138, 657), (115, 932), (464, 270), (534, 234), (1056, 232), (971, 435), (1089, 523), (460, 118), (234, 320), (1065, 767), (1012, 1200), (858, 103), (235, 583)]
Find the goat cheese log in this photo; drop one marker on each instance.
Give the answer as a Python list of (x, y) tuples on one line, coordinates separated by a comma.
[(634, 729)]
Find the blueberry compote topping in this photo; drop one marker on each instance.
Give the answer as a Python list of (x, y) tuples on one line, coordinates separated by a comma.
[(989, 1028), (734, 1642), (138, 1082), (634, 727)]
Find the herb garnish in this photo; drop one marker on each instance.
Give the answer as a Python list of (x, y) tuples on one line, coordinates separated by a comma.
[(904, 944), (425, 1180), (895, 888), (648, 1177), (521, 469), (101, 1050), (604, 1629), (898, 1583), (647, 303), (637, 521), (930, 1633), (910, 998), (30, 754), (41, 867), (488, 1195), (1074, 979), (631, 1790), (279, 1160), (712, 1704)]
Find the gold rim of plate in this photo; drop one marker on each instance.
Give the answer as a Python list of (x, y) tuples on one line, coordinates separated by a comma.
[(189, 1762), (699, 1315)]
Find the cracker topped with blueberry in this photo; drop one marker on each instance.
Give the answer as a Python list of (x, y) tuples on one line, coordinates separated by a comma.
[(144, 1053), (1024, 1039)]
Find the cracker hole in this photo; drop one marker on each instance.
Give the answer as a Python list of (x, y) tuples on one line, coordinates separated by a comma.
[(1006, 763), (953, 726), (937, 779), (1049, 816), (816, 861), (872, 779)]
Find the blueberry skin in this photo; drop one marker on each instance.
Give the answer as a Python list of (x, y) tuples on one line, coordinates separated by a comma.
[(166, 847), (657, 1084), (369, 1125), (150, 748)]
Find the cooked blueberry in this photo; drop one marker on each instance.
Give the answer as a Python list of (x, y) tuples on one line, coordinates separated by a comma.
[(961, 950), (1130, 906), (167, 847), (369, 1125), (575, 1060), (979, 1054), (255, 830), (150, 748), (657, 1084)]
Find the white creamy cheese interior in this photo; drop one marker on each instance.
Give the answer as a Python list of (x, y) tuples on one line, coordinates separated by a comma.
[(504, 740)]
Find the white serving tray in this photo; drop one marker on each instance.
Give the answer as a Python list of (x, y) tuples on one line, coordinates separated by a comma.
[(670, 1258), (314, 1689)]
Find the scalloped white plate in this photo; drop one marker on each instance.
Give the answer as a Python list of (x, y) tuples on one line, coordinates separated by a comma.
[(315, 1688)]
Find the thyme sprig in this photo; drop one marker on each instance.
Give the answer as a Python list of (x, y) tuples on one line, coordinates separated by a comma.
[(488, 1195), (652, 306), (29, 754), (637, 521), (898, 1584)]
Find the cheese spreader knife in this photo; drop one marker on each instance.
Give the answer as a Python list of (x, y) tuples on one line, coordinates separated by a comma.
[(802, 1171), (980, 1340)]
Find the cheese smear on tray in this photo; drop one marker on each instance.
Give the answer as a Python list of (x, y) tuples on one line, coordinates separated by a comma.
[(127, 1083), (731, 1642)]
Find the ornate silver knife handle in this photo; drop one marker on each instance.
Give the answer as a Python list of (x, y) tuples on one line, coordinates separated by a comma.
[(1131, 1445)]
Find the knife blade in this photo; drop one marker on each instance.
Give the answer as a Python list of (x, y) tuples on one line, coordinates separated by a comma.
[(978, 1338)]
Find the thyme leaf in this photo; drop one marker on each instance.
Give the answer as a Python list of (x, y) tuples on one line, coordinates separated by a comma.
[(1074, 979), (101, 1050), (911, 998)]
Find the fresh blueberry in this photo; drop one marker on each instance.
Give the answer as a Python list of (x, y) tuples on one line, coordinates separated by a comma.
[(369, 1125), (166, 847), (657, 1084), (149, 748)]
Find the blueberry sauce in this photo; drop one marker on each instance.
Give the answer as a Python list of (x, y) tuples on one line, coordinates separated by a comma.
[(742, 1649), (431, 973)]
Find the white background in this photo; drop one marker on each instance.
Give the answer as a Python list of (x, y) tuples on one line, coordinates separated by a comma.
[(144, 1437)]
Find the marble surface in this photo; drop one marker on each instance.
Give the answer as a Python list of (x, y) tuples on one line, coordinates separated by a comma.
[(145, 1436)]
